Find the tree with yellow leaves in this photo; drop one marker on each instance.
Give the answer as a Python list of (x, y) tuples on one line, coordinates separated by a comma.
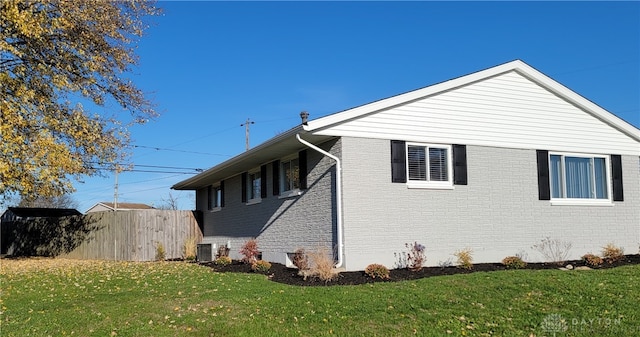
[(55, 54)]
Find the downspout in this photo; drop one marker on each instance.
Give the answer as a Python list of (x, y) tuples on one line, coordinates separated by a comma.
[(338, 197)]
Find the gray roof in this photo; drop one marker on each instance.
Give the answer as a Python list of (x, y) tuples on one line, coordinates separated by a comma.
[(275, 148)]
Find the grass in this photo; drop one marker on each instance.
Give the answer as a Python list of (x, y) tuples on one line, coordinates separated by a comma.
[(56, 297)]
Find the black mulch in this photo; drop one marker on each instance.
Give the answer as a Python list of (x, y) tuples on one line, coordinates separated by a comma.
[(280, 273)]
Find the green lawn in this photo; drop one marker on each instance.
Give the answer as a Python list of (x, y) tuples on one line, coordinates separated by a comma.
[(42, 297)]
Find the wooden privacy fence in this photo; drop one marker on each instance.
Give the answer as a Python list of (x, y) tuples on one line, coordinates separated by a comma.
[(134, 235)]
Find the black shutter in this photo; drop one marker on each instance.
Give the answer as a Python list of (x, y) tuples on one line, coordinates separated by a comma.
[(263, 181), (244, 187), (460, 164), (544, 192), (302, 167), (616, 174), (209, 197), (275, 170), (222, 193), (398, 162)]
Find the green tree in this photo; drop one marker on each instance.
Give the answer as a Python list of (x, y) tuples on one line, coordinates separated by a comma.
[(53, 55)]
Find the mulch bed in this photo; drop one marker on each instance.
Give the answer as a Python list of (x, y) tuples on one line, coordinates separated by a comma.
[(282, 274)]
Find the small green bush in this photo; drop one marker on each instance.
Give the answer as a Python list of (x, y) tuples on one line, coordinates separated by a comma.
[(513, 262), (377, 270), (222, 261), (160, 252), (592, 260), (612, 253), (261, 266), (465, 259)]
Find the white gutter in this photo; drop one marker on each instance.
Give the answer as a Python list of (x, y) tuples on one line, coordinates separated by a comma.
[(338, 197)]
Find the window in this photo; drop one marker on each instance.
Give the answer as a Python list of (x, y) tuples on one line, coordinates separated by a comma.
[(579, 176), (429, 166), (214, 197), (254, 186), (290, 175)]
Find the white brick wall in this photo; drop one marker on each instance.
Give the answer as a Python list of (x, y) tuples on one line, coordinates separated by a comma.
[(497, 214)]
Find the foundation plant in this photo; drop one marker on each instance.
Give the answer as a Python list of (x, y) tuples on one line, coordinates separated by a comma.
[(465, 258), (591, 260), (612, 253), (416, 256), (223, 261), (250, 251), (261, 266), (300, 259), (554, 250), (514, 262), (377, 271), (316, 264)]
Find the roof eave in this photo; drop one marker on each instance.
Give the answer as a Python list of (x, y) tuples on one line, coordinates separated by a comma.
[(205, 177)]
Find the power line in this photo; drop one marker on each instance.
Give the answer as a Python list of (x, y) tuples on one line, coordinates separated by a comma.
[(119, 166), (170, 167), (149, 189), (182, 151), (143, 171), (110, 187)]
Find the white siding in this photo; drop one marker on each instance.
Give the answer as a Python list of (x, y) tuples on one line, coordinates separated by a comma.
[(508, 111)]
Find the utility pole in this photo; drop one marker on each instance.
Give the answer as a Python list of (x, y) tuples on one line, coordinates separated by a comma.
[(115, 213), (246, 132), (115, 190)]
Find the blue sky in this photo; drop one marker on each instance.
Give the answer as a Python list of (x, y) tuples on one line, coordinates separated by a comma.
[(209, 66)]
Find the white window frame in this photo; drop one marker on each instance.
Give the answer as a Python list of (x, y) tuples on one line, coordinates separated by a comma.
[(258, 198), (580, 201), (284, 192), (429, 184), (216, 198)]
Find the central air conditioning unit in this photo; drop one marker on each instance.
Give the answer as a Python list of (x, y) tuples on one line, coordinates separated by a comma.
[(204, 252)]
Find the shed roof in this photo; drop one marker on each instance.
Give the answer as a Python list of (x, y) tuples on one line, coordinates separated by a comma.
[(123, 205)]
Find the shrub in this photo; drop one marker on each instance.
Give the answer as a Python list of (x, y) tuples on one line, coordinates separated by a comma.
[(446, 263), (320, 266), (261, 266), (160, 252), (300, 259), (554, 250), (415, 256), (592, 260), (612, 253), (250, 251), (465, 259), (377, 270), (514, 262), (190, 247), (223, 250), (222, 261)]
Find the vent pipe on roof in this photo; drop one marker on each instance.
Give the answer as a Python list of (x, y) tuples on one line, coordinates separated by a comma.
[(305, 117)]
